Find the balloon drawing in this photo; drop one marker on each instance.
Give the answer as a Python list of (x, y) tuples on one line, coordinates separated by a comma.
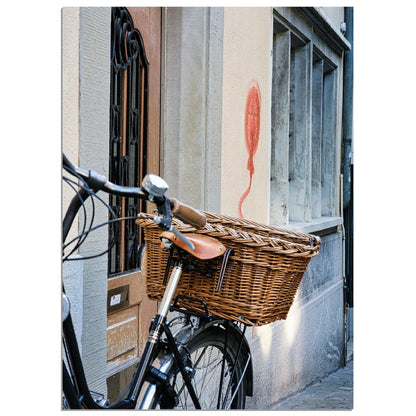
[(251, 132)]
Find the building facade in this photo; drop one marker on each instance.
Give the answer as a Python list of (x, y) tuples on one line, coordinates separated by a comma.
[(245, 117)]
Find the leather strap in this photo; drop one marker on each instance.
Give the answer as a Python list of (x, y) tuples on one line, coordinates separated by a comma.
[(227, 253)]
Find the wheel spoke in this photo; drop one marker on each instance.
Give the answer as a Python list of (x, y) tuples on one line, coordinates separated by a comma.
[(206, 355)]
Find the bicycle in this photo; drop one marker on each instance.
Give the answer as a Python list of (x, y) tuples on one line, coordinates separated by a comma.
[(206, 363)]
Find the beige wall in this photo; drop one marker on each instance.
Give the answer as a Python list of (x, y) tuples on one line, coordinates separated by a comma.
[(247, 51)]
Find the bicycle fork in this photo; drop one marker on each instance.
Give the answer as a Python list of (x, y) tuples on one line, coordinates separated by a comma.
[(158, 327)]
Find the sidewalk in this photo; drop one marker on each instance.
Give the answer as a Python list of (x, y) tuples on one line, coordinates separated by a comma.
[(333, 392)]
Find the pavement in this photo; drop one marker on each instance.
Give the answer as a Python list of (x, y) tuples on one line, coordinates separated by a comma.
[(333, 392)]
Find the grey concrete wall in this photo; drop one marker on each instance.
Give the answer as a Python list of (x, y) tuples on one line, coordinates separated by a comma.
[(279, 169), (289, 355), (300, 155), (86, 88), (94, 132), (192, 91), (70, 93)]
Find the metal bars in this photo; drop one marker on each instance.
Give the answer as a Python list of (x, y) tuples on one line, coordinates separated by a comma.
[(128, 135)]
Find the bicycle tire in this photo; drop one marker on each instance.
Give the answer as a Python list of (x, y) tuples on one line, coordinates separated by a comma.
[(203, 355)]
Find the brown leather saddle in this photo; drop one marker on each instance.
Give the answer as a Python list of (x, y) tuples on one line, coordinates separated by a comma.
[(206, 247)]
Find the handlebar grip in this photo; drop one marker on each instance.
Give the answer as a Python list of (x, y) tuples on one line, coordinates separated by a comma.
[(188, 214)]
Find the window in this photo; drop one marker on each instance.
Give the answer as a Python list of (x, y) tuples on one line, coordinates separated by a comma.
[(304, 178), (128, 136)]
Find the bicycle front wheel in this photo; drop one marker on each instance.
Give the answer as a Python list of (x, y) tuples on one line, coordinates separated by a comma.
[(217, 384)]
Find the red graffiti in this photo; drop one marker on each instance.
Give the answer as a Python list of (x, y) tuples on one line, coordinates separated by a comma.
[(251, 131)]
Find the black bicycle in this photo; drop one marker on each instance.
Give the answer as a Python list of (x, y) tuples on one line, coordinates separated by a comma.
[(191, 360)]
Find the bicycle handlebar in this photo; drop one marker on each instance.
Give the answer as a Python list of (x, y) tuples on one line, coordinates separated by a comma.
[(100, 182), (188, 214), (166, 206)]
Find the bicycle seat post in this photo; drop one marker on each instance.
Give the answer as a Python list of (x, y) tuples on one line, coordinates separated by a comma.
[(170, 289)]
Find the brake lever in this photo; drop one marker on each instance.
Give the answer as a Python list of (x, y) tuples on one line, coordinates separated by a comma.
[(165, 222), (160, 221), (182, 238)]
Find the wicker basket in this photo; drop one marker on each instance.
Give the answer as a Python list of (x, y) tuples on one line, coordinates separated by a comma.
[(262, 276)]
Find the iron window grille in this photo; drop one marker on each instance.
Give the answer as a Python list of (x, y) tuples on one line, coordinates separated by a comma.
[(128, 136)]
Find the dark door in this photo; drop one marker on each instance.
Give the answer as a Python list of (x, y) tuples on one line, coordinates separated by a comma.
[(134, 151)]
